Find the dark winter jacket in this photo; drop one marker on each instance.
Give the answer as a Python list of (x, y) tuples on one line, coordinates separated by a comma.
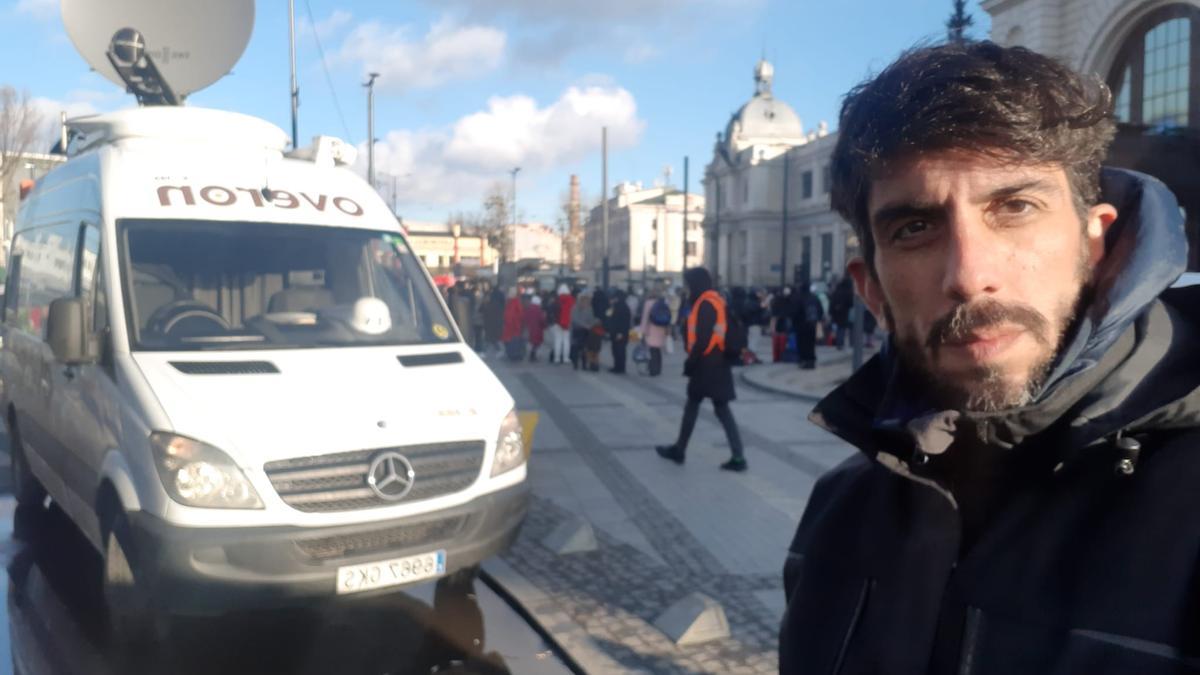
[(493, 317), (1069, 543), (619, 320), (709, 375)]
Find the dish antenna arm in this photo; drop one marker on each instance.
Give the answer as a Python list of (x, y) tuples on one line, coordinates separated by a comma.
[(128, 56)]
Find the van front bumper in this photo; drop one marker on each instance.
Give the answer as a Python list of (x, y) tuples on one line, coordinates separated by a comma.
[(192, 570)]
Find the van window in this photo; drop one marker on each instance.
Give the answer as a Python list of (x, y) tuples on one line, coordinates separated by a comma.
[(46, 272), (193, 285)]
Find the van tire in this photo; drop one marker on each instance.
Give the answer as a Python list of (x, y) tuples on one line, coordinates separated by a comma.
[(28, 491), (132, 622)]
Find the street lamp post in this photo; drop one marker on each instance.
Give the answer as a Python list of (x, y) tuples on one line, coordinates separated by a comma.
[(604, 200), (370, 85), (514, 171)]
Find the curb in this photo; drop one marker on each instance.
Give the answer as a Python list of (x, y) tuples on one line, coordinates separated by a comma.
[(570, 642), (747, 380)]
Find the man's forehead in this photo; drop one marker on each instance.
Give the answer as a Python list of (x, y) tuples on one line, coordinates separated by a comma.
[(982, 172)]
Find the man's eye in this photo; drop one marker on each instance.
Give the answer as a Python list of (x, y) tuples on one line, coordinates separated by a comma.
[(1017, 207), (910, 230)]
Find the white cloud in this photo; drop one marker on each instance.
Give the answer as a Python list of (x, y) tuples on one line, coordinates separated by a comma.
[(447, 52), (546, 31), (39, 9), (77, 103), (326, 27), (456, 165)]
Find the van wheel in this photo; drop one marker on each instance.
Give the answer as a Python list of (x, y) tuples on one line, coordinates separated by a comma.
[(132, 622), (28, 491)]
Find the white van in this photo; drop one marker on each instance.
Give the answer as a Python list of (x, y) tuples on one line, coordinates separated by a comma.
[(225, 364)]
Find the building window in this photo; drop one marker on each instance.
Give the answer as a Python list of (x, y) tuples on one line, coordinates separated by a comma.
[(654, 248), (1156, 72), (691, 248), (826, 179), (806, 185), (745, 190)]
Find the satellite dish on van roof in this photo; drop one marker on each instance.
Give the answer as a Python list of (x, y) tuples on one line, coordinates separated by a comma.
[(193, 43)]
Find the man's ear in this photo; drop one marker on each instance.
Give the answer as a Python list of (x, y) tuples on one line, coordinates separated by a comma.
[(868, 288), (1100, 217)]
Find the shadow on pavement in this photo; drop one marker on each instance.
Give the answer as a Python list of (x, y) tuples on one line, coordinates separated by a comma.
[(56, 626)]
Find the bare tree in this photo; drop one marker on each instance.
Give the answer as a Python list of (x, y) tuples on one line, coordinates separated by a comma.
[(21, 126), (497, 212)]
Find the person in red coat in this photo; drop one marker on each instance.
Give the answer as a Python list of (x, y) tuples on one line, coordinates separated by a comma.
[(535, 324), (514, 326), (560, 350)]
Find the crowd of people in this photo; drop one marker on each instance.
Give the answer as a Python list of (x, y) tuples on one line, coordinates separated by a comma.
[(572, 325)]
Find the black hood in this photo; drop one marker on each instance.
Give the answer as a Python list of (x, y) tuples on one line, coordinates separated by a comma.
[(698, 281), (1131, 365)]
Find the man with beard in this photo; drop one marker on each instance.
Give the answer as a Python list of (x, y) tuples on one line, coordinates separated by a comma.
[(1027, 493)]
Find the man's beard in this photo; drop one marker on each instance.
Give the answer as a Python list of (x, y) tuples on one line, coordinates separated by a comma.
[(985, 388)]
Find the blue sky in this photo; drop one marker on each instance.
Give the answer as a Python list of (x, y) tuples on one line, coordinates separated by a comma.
[(471, 88)]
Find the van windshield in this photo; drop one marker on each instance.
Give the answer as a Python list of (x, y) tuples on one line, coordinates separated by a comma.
[(200, 285)]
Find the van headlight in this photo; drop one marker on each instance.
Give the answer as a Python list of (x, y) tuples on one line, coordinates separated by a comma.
[(197, 474), (510, 446)]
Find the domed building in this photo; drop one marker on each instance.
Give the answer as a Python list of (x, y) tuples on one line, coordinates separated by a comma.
[(763, 144)]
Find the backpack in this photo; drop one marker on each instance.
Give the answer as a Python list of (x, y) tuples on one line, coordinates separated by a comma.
[(660, 313), (813, 312), (551, 309)]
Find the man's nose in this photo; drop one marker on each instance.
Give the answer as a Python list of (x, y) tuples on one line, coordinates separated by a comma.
[(972, 259)]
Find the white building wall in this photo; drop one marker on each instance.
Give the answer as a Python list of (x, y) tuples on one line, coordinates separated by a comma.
[(1084, 34)]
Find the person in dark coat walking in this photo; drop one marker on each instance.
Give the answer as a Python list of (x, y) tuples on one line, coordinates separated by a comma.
[(806, 314), (493, 320), (783, 306), (620, 320), (840, 304), (707, 369), (1026, 493)]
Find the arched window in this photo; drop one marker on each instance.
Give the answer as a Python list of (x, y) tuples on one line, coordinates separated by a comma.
[(1156, 76)]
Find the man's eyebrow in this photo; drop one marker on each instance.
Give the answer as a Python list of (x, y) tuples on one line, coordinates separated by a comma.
[(893, 212), (1032, 185)]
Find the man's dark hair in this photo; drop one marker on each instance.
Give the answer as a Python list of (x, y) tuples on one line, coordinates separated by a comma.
[(1008, 103)]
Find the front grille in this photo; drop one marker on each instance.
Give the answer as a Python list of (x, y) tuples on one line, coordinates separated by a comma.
[(375, 541), (338, 482)]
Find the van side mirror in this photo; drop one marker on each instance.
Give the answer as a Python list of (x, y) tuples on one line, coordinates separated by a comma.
[(65, 333)]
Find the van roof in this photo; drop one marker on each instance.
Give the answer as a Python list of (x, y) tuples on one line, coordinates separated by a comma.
[(177, 124)]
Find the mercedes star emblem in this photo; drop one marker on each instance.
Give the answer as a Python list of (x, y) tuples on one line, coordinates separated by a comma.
[(391, 476)]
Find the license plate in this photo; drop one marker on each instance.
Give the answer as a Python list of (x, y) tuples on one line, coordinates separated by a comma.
[(357, 578)]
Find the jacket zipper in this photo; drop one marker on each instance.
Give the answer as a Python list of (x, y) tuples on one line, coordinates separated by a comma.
[(854, 621), (966, 662)]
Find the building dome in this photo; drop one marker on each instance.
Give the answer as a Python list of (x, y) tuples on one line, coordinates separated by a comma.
[(764, 118)]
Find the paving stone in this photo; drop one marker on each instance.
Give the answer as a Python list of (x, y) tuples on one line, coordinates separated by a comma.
[(693, 620), (571, 536)]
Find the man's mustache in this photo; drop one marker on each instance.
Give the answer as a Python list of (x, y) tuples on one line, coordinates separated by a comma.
[(966, 319)]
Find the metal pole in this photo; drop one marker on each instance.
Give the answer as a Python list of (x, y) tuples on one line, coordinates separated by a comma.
[(856, 331), (393, 193), (685, 215), (717, 235), (295, 87), (604, 201), (370, 85), (784, 245)]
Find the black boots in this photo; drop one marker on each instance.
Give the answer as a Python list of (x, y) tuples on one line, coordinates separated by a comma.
[(735, 464), (670, 452)]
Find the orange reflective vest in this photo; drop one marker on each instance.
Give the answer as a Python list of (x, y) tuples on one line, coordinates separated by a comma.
[(717, 341)]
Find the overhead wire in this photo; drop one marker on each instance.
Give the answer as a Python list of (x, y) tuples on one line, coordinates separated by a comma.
[(325, 66)]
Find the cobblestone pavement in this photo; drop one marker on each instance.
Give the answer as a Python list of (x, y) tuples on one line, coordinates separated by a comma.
[(663, 531)]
